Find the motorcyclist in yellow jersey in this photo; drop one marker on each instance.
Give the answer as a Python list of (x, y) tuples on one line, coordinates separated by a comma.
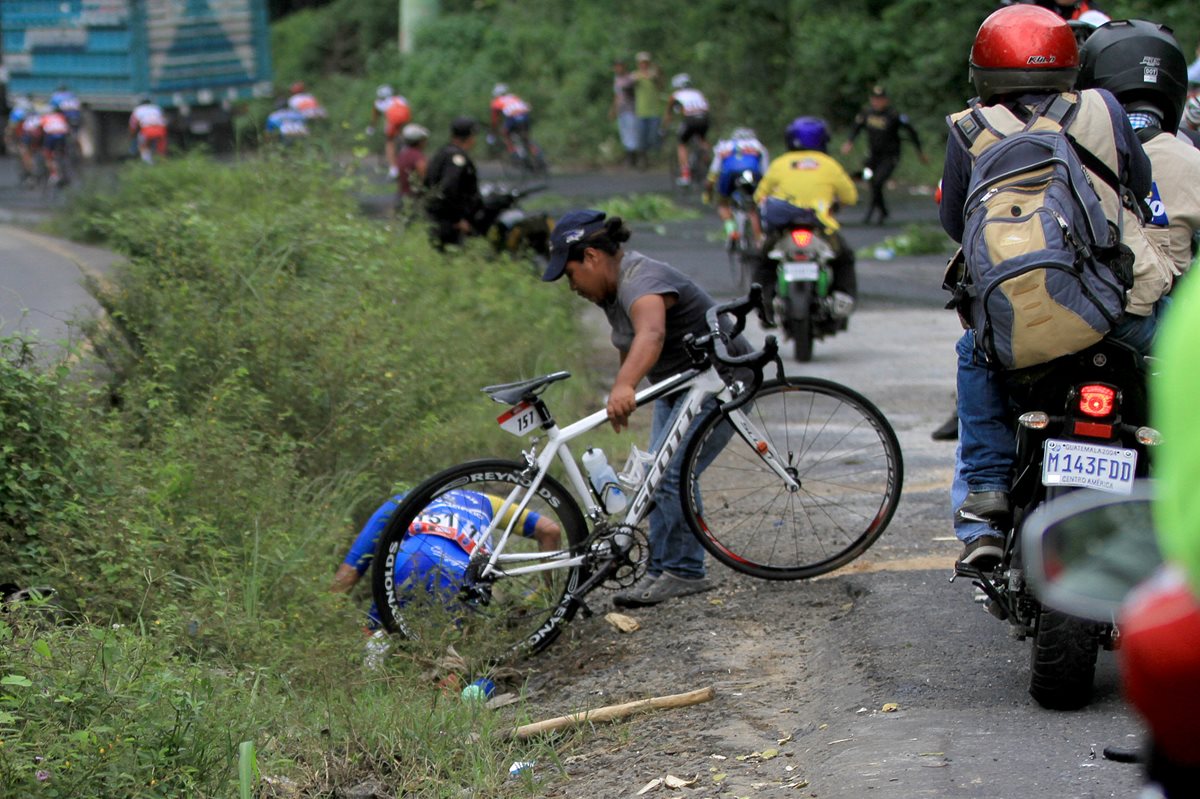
[(806, 179)]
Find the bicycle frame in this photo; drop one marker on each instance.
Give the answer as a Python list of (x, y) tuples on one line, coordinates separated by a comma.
[(699, 384)]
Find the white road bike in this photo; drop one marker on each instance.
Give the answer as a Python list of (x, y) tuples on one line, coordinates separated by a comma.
[(782, 479)]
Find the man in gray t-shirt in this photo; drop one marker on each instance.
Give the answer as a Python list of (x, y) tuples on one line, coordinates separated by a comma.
[(651, 308)]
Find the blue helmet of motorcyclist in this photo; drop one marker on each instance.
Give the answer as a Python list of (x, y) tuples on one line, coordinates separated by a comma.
[(807, 133)]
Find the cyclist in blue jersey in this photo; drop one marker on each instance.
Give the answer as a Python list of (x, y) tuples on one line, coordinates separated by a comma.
[(285, 124), (741, 152), (441, 539), (69, 106)]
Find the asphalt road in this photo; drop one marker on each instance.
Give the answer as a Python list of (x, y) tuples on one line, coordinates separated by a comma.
[(966, 726)]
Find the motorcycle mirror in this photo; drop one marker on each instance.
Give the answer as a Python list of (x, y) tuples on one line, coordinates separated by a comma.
[(1085, 551)]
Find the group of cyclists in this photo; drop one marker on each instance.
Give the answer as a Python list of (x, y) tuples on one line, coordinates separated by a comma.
[(47, 135), (42, 134)]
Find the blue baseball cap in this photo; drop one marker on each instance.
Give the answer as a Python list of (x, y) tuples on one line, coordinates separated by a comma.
[(574, 226)]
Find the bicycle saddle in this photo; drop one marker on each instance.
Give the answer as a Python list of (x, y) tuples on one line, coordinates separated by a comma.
[(512, 393)]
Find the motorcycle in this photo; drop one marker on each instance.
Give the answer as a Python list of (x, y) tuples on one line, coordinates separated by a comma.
[(1096, 557), (1080, 428), (509, 228), (803, 301)]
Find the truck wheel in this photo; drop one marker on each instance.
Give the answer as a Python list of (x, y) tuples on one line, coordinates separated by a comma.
[(1063, 662)]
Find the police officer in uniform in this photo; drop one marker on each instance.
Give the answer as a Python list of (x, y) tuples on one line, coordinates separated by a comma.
[(884, 125), (453, 185)]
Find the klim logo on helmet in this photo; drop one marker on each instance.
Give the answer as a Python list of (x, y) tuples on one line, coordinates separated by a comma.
[(1042, 59)]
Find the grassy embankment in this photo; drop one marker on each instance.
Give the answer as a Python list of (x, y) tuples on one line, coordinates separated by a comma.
[(277, 364)]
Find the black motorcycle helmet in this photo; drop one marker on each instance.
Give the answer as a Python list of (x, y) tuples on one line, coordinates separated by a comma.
[(1141, 64)]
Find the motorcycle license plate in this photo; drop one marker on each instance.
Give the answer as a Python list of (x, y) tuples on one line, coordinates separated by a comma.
[(1074, 463), (800, 270)]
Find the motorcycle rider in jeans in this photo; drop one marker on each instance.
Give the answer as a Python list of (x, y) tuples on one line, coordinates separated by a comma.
[(806, 179), (1022, 55)]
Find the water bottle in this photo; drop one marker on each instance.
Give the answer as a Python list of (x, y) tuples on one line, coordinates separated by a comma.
[(480, 690), (604, 480)]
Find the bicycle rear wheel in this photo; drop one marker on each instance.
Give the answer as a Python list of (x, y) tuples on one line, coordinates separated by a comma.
[(833, 441), (491, 617)]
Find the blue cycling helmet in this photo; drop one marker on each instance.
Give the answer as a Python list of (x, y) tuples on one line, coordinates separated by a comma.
[(431, 563), (807, 133)]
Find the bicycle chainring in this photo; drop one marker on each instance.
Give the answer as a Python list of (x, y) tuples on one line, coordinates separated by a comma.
[(625, 550)]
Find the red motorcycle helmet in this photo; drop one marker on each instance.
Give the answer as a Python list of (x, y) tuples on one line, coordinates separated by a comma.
[(1021, 49)]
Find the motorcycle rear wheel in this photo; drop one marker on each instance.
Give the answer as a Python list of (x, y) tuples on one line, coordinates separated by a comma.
[(802, 339), (1063, 660)]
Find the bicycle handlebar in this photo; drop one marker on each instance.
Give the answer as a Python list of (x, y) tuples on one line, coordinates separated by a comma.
[(714, 344)]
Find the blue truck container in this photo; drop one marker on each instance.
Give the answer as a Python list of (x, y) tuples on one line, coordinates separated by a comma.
[(195, 58)]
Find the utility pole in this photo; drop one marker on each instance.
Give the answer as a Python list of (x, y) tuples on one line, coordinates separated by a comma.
[(413, 14)]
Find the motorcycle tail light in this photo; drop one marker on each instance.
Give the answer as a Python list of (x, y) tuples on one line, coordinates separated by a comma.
[(1097, 401), (1148, 436), (802, 238), (1093, 429), (1034, 420)]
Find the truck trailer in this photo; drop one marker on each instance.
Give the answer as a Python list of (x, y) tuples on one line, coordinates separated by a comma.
[(196, 58)]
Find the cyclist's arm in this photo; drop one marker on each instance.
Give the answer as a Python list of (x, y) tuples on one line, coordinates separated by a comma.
[(766, 185), (649, 316), (533, 525), (358, 559)]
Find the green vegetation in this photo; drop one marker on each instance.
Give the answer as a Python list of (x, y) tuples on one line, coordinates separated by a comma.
[(914, 240), (275, 365), (761, 62)]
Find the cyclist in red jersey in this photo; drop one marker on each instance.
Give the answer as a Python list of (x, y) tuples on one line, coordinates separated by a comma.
[(394, 110), (55, 132), (148, 126)]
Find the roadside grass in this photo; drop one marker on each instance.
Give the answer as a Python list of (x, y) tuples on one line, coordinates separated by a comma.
[(276, 365)]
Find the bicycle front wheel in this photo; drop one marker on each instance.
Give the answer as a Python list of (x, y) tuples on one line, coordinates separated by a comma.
[(832, 441), (485, 617)]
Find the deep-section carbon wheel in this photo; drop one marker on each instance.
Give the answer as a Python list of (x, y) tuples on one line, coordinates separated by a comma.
[(484, 617), (833, 442)]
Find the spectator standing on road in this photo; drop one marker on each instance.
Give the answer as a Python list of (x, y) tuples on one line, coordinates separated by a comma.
[(651, 308), (884, 125), (648, 104), (453, 185), (411, 165), (623, 110)]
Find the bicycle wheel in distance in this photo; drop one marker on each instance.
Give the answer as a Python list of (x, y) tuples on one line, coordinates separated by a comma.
[(833, 441), (494, 617)]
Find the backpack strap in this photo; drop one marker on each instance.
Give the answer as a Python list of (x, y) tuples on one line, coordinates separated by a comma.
[(1146, 134)]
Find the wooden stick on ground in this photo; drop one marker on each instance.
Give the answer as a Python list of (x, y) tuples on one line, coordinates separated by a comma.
[(612, 712)]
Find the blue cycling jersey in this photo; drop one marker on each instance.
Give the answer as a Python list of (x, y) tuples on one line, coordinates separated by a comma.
[(458, 515)]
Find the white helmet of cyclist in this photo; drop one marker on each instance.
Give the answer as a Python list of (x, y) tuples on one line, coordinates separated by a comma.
[(499, 89), (383, 92), (1191, 112), (413, 133), (743, 134), (681, 81)]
